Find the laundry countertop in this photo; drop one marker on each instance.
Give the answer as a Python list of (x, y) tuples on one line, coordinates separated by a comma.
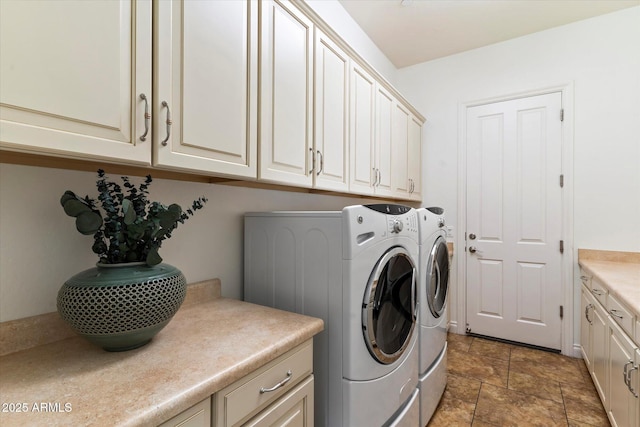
[(619, 271), (204, 348)]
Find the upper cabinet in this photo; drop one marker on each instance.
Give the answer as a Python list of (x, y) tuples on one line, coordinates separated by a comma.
[(206, 86), (247, 89), (286, 94), (331, 136), (75, 79), (362, 172), (407, 131)]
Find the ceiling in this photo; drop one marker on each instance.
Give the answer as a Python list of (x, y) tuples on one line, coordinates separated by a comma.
[(412, 31)]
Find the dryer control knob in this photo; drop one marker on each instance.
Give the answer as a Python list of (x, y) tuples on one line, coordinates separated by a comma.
[(396, 226)]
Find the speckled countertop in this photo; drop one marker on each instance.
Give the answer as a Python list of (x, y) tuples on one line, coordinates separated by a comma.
[(204, 348), (619, 271)]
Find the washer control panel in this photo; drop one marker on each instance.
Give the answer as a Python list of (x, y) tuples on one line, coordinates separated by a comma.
[(407, 223)]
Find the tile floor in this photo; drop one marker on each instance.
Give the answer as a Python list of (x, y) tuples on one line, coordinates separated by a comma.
[(496, 384)]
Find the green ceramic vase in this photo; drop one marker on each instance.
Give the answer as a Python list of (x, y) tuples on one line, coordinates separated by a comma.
[(122, 306)]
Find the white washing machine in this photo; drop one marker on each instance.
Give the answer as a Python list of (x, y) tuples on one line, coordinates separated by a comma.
[(356, 269), (433, 286)]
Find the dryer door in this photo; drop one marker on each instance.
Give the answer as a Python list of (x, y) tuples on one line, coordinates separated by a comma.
[(389, 306), (438, 277)]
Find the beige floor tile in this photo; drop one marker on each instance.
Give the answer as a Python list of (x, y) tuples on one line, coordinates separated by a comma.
[(494, 349), (463, 388), (459, 342), (485, 369), (540, 387), (452, 412), (546, 365), (492, 384), (500, 406)]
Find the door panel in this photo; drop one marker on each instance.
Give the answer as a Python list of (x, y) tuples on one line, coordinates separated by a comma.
[(361, 131), (212, 103), (514, 212)]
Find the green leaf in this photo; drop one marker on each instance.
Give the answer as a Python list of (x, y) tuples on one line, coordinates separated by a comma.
[(153, 257), (75, 207), (129, 212), (88, 222), (68, 195)]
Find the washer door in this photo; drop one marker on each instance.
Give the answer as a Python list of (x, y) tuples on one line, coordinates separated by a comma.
[(438, 277), (389, 306)]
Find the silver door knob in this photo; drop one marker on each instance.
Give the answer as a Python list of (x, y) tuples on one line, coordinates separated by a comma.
[(472, 249)]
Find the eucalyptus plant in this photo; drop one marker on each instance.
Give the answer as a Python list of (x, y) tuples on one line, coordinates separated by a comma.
[(125, 225)]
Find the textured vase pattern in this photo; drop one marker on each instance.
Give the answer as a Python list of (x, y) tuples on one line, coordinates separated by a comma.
[(122, 306)]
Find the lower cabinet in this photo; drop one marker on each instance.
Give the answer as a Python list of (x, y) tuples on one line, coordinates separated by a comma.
[(199, 415), (610, 353), (279, 393), (623, 397)]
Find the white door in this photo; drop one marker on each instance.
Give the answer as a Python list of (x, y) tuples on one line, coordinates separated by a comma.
[(331, 138), (212, 103), (514, 216), (71, 76), (286, 94)]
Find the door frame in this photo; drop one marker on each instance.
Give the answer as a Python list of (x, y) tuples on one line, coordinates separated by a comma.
[(459, 325)]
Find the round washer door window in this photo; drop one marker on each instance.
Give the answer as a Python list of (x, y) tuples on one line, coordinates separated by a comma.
[(389, 306), (438, 277)]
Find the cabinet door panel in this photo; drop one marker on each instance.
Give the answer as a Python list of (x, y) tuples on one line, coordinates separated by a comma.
[(286, 119), (586, 313), (331, 114), (400, 176), (70, 77), (383, 138), (415, 157), (361, 122), (622, 401), (600, 351), (206, 71)]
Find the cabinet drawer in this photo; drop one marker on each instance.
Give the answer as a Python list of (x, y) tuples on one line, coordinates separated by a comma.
[(637, 339), (244, 398), (621, 315), (199, 415), (599, 291), (585, 278)]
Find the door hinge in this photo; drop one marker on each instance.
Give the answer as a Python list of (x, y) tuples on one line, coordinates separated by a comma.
[(561, 312), (562, 114), (561, 246), (561, 180)]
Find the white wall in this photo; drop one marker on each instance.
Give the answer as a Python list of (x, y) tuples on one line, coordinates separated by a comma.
[(332, 12), (600, 57), (40, 247)]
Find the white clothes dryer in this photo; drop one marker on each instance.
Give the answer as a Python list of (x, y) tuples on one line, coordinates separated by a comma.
[(357, 270), (433, 285)]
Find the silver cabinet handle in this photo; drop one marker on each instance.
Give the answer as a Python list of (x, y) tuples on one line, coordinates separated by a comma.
[(379, 177), (635, 393), (597, 292), (585, 278), (147, 117), (375, 180), (313, 161), (586, 313), (277, 386), (321, 157), (614, 313), (164, 141)]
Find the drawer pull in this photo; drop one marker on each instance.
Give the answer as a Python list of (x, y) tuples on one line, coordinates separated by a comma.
[(614, 313), (598, 292), (277, 386)]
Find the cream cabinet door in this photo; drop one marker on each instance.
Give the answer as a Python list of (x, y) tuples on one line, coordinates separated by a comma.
[(401, 156), (415, 158), (206, 71), (362, 173), (587, 307), (331, 136), (622, 401), (600, 351), (383, 141), (71, 76), (286, 94), (199, 415)]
